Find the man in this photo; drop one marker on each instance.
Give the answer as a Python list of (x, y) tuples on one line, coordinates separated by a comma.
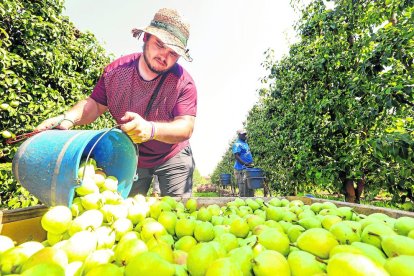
[(244, 160), (154, 100)]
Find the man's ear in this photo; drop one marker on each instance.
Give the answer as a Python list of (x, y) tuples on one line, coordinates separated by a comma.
[(146, 37)]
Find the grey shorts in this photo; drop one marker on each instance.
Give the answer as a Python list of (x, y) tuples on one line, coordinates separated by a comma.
[(175, 176)]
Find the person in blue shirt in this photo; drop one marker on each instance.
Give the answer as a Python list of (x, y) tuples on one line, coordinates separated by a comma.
[(244, 159)]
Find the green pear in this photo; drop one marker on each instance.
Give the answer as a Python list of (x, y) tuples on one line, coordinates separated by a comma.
[(328, 205), (228, 240), (344, 233), (42, 269), (126, 250), (5, 243), (400, 266), (317, 241), (170, 200), (371, 251), (168, 219), (274, 224), (96, 258), (329, 220), (204, 231), (270, 262), (220, 250), (272, 239), (149, 263), (57, 219), (254, 220), (396, 245), (184, 227), (157, 207), (185, 243), (310, 222), (217, 220), (105, 269), (191, 205), (285, 225), (46, 255), (345, 248), (411, 234), (306, 213), (304, 263), (354, 264), (90, 219), (91, 201), (74, 268), (404, 225), (254, 205), (214, 209), (200, 258), (152, 229), (122, 226), (11, 260), (240, 228), (223, 266), (275, 202), (290, 216), (180, 257), (275, 213), (105, 236), (373, 233), (164, 250), (242, 256), (80, 245), (294, 232), (204, 214), (345, 212), (316, 207)]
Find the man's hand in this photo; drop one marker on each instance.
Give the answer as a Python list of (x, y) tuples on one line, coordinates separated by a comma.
[(249, 165), (138, 129), (55, 123)]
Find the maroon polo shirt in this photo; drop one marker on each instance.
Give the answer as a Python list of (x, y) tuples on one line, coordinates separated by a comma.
[(122, 89)]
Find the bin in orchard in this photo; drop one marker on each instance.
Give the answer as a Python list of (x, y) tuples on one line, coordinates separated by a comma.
[(47, 164)]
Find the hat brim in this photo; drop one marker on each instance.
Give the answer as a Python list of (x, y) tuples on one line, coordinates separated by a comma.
[(170, 41)]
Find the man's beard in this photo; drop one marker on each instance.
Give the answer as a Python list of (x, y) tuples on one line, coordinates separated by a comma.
[(146, 59)]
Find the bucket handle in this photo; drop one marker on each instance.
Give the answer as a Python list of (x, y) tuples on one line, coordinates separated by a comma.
[(92, 148)]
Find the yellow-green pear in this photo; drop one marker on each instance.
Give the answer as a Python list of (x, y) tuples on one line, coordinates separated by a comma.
[(310, 222), (344, 233), (185, 243), (304, 263), (41, 269), (400, 266), (149, 263), (374, 232), (371, 251), (105, 269), (125, 251), (317, 241), (239, 227), (346, 264), (345, 248), (168, 219), (270, 262), (184, 227), (200, 258), (80, 245), (404, 225), (396, 245), (191, 205), (46, 255), (96, 258), (329, 220), (74, 268), (164, 250), (274, 240), (223, 266), (5, 243), (228, 240), (57, 219), (294, 232), (204, 231), (242, 257)]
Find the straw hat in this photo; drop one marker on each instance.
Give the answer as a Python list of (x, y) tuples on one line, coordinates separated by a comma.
[(241, 131), (169, 26)]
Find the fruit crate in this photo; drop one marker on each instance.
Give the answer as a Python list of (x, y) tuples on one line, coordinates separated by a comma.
[(24, 224)]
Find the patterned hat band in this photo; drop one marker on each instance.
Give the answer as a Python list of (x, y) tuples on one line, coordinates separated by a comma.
[(172, 30)]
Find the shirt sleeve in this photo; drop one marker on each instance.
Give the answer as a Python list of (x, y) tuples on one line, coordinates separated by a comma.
[(187, 101), (99, 92), (236, 148)]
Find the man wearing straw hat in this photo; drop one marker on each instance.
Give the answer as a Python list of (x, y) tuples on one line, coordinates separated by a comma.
[(154, 99)]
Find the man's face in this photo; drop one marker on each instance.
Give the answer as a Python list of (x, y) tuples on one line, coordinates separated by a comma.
[(158, 57), (243, 136)]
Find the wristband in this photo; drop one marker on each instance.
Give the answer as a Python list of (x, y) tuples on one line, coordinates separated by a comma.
[(152, 137)]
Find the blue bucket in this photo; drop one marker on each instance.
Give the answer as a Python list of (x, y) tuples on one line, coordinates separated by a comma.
[(47, 164), (254, 172), (225, 178)]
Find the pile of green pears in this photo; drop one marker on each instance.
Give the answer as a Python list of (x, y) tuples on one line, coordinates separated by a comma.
[(103, 234)]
